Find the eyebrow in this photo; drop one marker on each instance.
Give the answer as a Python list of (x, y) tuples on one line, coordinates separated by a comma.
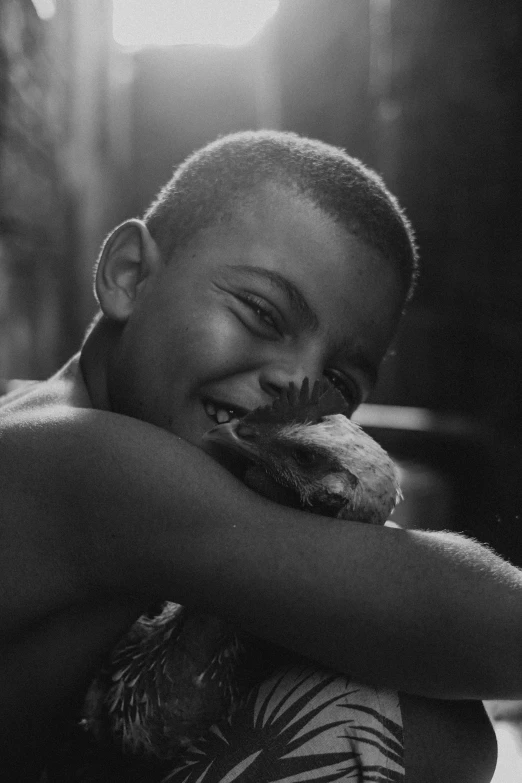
[(307, 315), (298, 303)]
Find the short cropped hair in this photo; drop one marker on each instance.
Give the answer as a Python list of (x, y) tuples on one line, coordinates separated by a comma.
[(210, 182)]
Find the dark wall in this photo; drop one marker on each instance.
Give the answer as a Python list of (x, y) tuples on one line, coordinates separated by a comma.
[(35, 226), (457, 130)]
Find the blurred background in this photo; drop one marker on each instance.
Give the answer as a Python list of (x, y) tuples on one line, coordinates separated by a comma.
[(99, 101)]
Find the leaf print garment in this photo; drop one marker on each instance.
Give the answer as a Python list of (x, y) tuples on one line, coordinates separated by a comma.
[(301, 724)]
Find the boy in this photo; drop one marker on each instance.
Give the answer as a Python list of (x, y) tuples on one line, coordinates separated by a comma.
[(268, 258)]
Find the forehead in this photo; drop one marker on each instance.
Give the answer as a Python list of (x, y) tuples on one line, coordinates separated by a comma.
[(354, 292)]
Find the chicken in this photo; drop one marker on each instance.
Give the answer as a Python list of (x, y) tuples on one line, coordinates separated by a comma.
[(177, 671), (307, 453)]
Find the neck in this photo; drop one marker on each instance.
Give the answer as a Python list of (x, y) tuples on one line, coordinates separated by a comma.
[(95, 359)]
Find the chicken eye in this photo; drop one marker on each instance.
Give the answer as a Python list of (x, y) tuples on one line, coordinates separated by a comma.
[(303, 456)]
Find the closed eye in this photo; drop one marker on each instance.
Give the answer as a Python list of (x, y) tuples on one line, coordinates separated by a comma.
[(265, 315), (347, 387), (305, 457)]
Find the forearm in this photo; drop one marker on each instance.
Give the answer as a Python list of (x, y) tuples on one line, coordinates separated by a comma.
[(430, 614), (145, 513)]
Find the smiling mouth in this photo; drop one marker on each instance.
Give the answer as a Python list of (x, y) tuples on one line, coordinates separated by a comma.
[(235, 460), (221, 413)]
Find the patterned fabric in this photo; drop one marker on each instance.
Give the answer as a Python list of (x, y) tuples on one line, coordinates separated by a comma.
[(301, 724)]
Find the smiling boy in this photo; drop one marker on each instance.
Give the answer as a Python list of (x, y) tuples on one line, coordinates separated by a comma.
[(267, 258), (242, 329)]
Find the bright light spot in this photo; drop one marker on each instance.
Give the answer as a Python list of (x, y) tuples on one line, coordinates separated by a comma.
[(45, 9), (140, 23)]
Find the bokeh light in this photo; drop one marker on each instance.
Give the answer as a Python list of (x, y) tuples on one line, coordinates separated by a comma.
[(45, 9), (139, 23)]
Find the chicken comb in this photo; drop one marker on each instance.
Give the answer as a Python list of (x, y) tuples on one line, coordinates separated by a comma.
[(294, 405)]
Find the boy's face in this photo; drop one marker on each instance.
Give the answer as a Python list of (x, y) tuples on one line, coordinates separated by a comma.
[(274, 294)]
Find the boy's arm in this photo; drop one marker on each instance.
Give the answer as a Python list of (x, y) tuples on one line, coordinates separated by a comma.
[(97, 503)]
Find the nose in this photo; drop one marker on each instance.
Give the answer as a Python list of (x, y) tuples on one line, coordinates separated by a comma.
[(276, 375)]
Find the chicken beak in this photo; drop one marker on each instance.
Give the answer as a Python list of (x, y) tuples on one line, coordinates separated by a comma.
[(235, 436)]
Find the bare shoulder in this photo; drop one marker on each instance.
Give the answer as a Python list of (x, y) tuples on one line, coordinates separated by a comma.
[(65, 388), (450, 741), (24, 524)]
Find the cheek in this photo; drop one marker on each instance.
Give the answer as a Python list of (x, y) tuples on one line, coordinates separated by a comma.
[(204, 344), (219, 342)]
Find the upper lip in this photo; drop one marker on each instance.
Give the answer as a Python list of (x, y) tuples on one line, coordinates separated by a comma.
[(238, 410)]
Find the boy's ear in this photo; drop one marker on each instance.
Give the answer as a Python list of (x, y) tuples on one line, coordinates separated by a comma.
[(128, 257)]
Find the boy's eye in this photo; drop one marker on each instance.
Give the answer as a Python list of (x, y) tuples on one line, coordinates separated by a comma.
[(264, 314), (346, 386)]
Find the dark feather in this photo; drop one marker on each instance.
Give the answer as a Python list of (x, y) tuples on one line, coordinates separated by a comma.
[(301, 405)]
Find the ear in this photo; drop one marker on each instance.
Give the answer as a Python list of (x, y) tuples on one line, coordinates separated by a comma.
[(129, 257)]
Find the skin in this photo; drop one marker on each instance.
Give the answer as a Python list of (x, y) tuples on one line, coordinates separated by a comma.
[(213, 344), (109, 502)]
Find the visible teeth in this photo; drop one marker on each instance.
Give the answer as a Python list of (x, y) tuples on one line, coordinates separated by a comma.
[(221, 415)]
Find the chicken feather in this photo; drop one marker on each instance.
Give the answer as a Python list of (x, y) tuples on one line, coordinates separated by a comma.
[(175, 673)]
